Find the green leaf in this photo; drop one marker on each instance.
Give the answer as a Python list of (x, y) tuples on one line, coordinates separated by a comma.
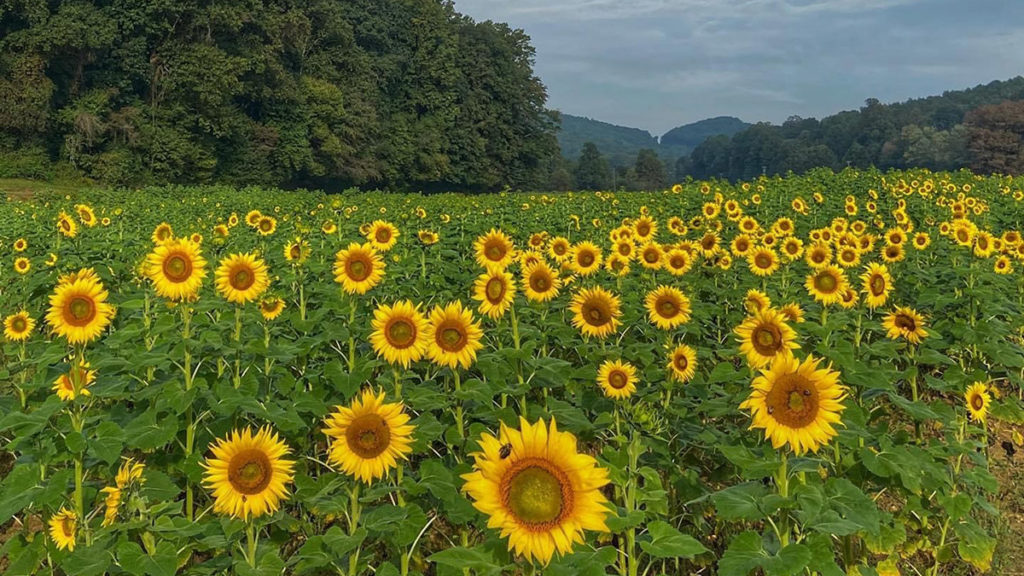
[(740, 502), (975, 547), (476, 560), (746, 553), (667, 542), (583, 562), (17, 490)]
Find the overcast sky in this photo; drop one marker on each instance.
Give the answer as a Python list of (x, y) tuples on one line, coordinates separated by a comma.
[(656, 64)]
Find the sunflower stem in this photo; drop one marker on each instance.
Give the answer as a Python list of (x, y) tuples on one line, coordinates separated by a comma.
[(238, 341), (190, 426), (302, 296), (458, 404), (782, 481), (351, 336), (353, 524), (251, 538)]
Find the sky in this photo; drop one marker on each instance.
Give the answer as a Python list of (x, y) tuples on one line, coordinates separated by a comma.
[(657, 64)]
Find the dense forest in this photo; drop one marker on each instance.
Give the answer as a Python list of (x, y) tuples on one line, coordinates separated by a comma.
[(399, 94)]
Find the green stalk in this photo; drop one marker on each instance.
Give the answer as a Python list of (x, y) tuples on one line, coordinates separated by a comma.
[(238, 340), (190, 425)]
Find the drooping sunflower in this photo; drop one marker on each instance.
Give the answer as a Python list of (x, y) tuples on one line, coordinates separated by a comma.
[(495, 290), (271, 308), (586, 258), (826, 284), (595, 312), (877, 284), (399, 333), (978, 399), (63, 526), (297, 251), (248, 473), (453, 336), (18, 326), (78, 308), (796, 403), (177, 269), (65, 385), (129, 474), (667, 307), (540, 282), (382, 235), (368, 438), (764, 336), (358, 268), (537, 489), (617, 379), (242, 278), (428, 237), (905, 323), (682, 363), (66, 225), (763, 261), (494, 250), (162, 233)]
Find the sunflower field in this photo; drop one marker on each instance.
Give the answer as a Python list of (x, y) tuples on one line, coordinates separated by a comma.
[(801, 375)]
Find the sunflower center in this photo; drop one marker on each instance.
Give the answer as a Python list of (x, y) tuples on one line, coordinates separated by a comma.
[(539, 282), (596, 314), (877, 286), (767, 340), (668, 308), (537, 493), (265, 225), (585, 259), (977, 402), (19, 324), (678, 262), (651, 256), (81, 310), (401, 333), (368, 436), (67, 526), (177, 268), (826, 283), (295, 251), (793, 401), (250, 471), (451, 338), (707, 242), (763, 261), (559, 249), (383, 235), (905, 322), (242, 279), (357, 269), (643, 229), (618, 379), (681, 362), (494, 251), (624, 249), (495, 290)]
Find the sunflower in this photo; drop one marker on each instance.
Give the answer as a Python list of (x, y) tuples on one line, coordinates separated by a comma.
[(128, 474), (792, 312), (826, 284), (678, 262), (297, 251), (399, 333), (537, 489), (1003, 265), (22, 265), (427, 237), (755, 301), (617, 265), (162, 233), (220, 231), (19, 326), (978, 400), (848, 257), (559, 248), (617, 379), (708, 244), (586, 258), (66, 225), (741, 245), (271, 308), (922, 240), (877, 284), (763, 261), (112, 501), (818, 255), (892, 253), (595, 312), (358, 268), (266, 226), (20, 245), (252, 218), (382, 235), (329, 227), (71, 385), (177, 269), (764, 336), (63, 526), (248, 473), (242, 278), (667, 307), (624, 249), (369, 437), (645, 228), (796, 403), (453, 336), (651, 256), (540, 282), (79, 309), (495, 290), (906, 323), (682, 363), (494, 250), (793, 248)]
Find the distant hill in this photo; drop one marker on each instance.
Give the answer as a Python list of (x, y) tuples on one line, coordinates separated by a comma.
[(620, 144)]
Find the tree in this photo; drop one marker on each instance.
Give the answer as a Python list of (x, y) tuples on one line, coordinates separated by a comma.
[(592, 171), (649, 170), (996, 138)]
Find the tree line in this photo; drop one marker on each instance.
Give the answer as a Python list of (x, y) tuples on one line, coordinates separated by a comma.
[(401, 94)]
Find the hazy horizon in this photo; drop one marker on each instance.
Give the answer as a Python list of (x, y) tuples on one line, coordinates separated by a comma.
[(658, 64)]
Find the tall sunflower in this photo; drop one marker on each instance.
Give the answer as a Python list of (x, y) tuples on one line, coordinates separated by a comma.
[(667, 307), (678, 262), (796, 403), (540, 282), (18, 326), (763, 261), (162, 233), (242, 278), (66, 225), (453, 336), (177, 269), (537, 489), (271, 308), (368, 438), (682, 363), (905, 323), (764, 336), (495, 290), (399, 333), (248, 473), (877, 284), (358, 268), (79, 309), (382, 235), (586, 258), (63, 527), (595, 312), (977, 399), (826, 284), (494, 250), (617, 379)]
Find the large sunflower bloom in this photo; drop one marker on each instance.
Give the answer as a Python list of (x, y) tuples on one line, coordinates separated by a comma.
[(242, 278), (667, 307), (248, 473), (494, 250), (369, 437), (595, 312), (399, 333), (495, 290), (358, 268), (79, 309), (764, 336), (877, 284), (453, 336), (177, 269)]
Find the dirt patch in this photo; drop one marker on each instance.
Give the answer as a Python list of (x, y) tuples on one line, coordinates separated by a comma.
[(1007, 460)]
